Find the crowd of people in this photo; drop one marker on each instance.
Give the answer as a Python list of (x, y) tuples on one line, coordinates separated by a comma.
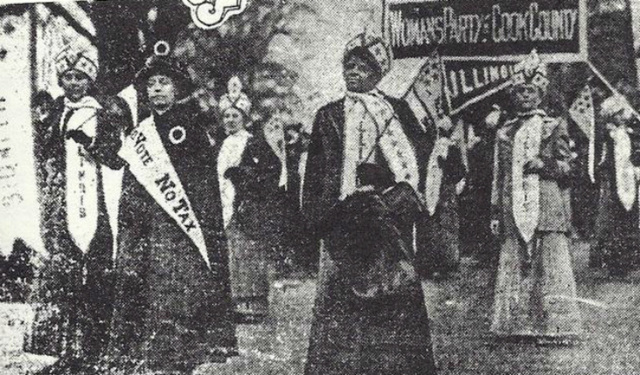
[(210, 215)]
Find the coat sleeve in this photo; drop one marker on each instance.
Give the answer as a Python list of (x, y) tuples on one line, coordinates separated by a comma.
[(315, 171), (259, 170), (421, 138), (558, 165), (453, 166), (113, 120)]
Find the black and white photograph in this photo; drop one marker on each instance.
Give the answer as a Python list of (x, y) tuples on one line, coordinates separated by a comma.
[(319, 187)]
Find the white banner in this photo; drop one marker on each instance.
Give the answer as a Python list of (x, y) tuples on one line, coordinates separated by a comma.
[(150, 164), (625, 174), (19, 208), (435, 173)]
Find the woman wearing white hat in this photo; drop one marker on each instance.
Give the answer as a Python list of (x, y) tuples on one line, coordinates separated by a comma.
[(74, 289), (249, 173), (535, 290), (354, 332), (617, 218)]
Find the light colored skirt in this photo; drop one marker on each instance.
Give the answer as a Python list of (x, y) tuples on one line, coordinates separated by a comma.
[(539, 298)]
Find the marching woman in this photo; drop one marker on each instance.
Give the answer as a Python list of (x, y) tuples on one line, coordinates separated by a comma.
[(173, 299), (249, 172), (617, 218), (73, 289), (439, 231), (362, 327), (535, 291)]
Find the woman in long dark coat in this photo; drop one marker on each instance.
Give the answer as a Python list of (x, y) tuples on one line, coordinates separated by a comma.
[(73, 288), (618, 234), (350, 334), (173, 300)]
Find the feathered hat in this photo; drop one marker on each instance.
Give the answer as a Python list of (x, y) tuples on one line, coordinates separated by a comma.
[(235, 98), (373, 47), (81, 56), (615, 104), (531, 71)]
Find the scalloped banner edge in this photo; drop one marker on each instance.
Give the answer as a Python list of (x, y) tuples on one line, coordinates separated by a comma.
[(210, 14)]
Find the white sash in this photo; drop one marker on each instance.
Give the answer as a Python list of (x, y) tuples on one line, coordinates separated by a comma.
[(230, 156), (526, 188), (366, 117), (274, 135), (435, 173), (625, 174), (81, 174), (150, 164)]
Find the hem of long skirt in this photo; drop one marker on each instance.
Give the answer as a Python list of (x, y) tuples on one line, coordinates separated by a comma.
[(540, 339)]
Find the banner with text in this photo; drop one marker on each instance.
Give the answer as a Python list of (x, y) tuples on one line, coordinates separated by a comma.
[(466, 84), (488, 29)]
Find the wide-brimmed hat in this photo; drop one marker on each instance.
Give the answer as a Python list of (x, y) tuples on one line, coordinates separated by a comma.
[(531, 71), (166, 66)]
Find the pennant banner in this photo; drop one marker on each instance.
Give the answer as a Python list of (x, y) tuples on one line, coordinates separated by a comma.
[(582, 112), (469, 82), (434, 174), (625, 173), (150, 164), (425, 96)]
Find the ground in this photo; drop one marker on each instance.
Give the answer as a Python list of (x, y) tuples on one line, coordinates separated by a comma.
[(460, 311)]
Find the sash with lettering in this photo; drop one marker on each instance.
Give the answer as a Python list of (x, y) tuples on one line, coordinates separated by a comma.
[(526, 188), (434, 174), (625, 174), (150, 164), (81, 172)]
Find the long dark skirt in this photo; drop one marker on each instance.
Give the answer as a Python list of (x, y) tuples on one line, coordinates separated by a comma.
[(389, 335), (250, 271), (440, 235), (617, 234), (72, 298), (172, 313)]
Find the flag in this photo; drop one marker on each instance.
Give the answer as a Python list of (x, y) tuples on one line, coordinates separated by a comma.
[(583, 113), (425, 95)]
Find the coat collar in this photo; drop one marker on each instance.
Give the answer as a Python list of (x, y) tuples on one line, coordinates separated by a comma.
[(509, 128), (336, 117)]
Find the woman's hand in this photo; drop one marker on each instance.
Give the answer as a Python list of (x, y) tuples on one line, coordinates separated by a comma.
[(79, 137), (533, 166), (495, 227)]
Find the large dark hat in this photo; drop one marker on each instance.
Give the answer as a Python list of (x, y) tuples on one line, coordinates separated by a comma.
[(167, 66)]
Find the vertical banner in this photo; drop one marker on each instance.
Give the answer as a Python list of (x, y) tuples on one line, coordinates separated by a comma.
[(19, 207)]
